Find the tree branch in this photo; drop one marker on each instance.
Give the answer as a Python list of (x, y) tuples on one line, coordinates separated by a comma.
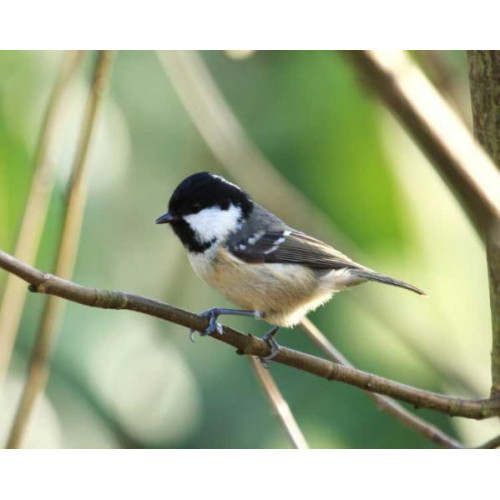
[(233, 148), (279, 405), (241, 158), (39, 367), (384, 403), (446, 79), (491, 444), (247, 344), (387, 404), (28, 239), (484, 75), (436, 129)]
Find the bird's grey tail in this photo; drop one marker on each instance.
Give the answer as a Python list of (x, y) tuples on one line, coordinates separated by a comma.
[(380, 278)]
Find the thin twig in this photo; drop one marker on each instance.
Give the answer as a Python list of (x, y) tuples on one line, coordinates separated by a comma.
[(441, 135), (491, 444), (77, 194), (279, 404), (30, 232), (388, 405), (231, 145), (406, 334), (247, 344), (445, 76)]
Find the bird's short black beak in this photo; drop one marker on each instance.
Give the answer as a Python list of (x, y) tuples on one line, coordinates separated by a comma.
[(166, 219)]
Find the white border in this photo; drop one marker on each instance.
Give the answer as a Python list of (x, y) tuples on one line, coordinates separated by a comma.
[(249, 25), (240, 474)]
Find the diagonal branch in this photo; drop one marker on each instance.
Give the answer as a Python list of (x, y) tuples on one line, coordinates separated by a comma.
[(39, 367), (446, 78), (230, 144), (388, 405), (279, 405), (441, 135), (30, 233), (491, 444), (384, 403), (241, 158), (247, 344)]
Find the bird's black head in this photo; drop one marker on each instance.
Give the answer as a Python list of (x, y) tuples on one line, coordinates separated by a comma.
[(216, 198), (206, 190)]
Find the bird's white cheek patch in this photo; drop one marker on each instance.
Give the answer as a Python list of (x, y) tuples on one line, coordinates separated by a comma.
[(214, 223)]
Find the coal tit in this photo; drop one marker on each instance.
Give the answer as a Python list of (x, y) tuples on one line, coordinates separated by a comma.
[(254, 259)]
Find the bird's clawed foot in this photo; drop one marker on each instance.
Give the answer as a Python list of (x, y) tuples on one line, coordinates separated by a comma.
[(275, 348), (213, 326), (213, 314)]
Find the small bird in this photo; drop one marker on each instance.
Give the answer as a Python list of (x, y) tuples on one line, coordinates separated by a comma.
[(254, 259)]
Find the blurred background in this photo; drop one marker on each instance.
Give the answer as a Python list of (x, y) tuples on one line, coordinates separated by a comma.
[(308, 128)]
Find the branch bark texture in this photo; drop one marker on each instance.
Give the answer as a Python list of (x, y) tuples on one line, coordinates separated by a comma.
[(484, 76), (39, 368), (241, 158), (247, 344), (384, 403), (441, 135)]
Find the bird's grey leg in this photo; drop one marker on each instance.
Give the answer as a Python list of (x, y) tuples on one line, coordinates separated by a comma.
[(213, 314), (275, 348)]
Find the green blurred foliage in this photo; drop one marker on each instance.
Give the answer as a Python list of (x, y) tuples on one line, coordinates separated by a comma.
[(294, 106), (120, 379)]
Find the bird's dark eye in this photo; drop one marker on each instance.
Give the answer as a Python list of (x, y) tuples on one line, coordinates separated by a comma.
[(196, 208)]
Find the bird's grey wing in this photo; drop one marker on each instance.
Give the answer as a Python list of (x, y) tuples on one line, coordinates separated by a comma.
[(288, 247)]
